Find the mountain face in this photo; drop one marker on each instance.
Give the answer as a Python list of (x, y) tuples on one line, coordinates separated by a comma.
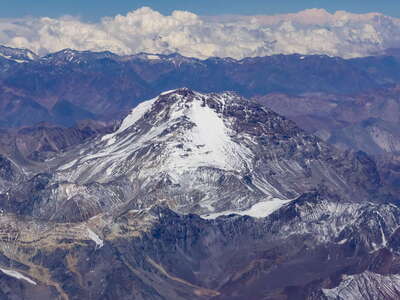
[(69, 86), (202, 153), (11, 174), (365, 121), (28, 145)]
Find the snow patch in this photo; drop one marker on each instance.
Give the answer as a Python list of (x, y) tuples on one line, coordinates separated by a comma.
[(95, 238), (258, 210), (384, 241), (152, 57), (68, 165), (167, 92), (17, 275), (20, 61), (207, 143), (136, 114), (30, 56)]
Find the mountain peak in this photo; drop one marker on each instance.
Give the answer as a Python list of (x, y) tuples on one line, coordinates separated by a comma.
[(74, 56), (183, 91), (208, 153), (17, 55), (194, 127)]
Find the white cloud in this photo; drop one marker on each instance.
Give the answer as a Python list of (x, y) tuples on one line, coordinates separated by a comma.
[(312, 31)]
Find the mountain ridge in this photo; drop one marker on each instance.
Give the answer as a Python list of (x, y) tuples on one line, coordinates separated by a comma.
[(69, 86)]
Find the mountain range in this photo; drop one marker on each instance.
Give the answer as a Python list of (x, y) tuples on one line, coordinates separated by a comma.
[(68, 86)]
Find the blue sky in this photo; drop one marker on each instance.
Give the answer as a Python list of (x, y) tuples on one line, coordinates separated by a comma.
[(94, 9)]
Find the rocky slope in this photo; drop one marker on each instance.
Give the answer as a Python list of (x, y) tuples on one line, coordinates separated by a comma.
[(367, 121), (23, 150), (316, 247), (31, 144)]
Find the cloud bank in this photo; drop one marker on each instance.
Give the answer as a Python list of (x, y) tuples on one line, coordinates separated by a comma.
[(313, 31)]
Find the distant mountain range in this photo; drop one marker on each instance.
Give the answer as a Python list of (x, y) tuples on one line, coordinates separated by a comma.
[(68, 86)]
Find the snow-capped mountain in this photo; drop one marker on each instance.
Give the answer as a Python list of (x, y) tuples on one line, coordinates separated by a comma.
[(207, 154), (17, 55), (367, 286), (70, 56)]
